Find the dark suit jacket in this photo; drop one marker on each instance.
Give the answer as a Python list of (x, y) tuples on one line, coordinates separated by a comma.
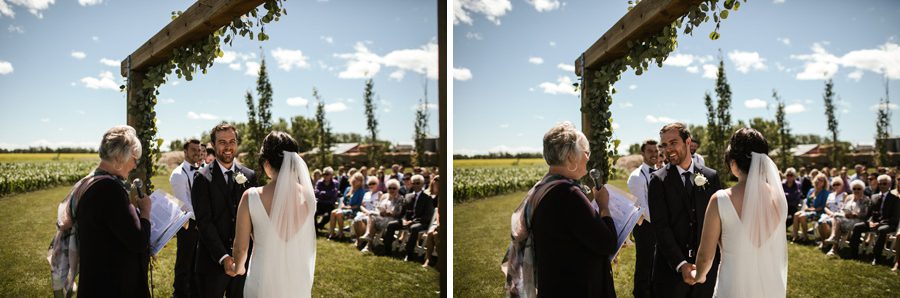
[(890, 214), (114, 252), (215, 206), (419, 210), (572, 245), (672, 207)]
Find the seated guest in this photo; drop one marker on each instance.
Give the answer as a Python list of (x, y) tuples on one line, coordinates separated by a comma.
[(344, 180), (431, 237), (114, 241), (872, 184), (572, 242), (387, 210), (806, 183), (434, 189), (896, 249), (855, 206), (317, 175), (407, 185), (812, 207), (349, 205), (791, 192), (369, 201), (833, 204), (326, 196), (382, 187), (417, 212), (882, 219)]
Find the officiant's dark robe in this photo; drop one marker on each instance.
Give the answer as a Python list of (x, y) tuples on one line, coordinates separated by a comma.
[(115, 253), (572, 244)]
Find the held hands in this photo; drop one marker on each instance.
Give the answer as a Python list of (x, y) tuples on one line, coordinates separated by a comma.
[(231, 267), (689, 275)]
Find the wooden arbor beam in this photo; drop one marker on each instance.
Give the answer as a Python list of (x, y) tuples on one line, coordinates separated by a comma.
[(647, 17), (199, 21)]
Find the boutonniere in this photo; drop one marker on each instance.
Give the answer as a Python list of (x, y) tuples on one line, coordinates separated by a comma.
[(699, 180), (240, 178)]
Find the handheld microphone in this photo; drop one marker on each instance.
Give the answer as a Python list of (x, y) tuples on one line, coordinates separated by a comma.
[(597, 177), (139, 185)]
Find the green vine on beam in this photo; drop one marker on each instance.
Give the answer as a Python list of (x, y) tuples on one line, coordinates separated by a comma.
[(654, 48), (185, 62)]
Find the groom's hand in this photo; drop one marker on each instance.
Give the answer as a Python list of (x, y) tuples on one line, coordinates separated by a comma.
[(686, 273), (228, 264)]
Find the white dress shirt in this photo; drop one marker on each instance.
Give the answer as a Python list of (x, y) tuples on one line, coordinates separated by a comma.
[(182, 179), (227, 177), (637, 184), (698, 159)]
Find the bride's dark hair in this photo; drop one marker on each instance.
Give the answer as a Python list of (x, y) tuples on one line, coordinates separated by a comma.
[(273, 148), (743, 142)]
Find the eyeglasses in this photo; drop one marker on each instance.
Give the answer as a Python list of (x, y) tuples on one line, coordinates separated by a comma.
[(857, 189), (417, 183), (373, 184), (392, 188)]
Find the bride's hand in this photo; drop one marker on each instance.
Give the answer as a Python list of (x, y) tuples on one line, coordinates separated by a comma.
[(697, 279)]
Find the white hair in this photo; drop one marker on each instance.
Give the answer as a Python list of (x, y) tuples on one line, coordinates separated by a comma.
[(119, 144), (856, 183), (393, 182), (563, 141), (419, 178), (790, 171), (884, 177)]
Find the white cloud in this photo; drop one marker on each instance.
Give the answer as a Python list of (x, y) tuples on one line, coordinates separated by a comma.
[(95, 38), (252, 68), (176, 83), (201, 116), (755, 103), (491, 9), (288, 59), (794, 108), (362, 64), (744, 61), (535, 60), (563, 85), (35, 7), (167, 101), (227, 57), (626, 105), (693, 69), (45, 120), (615, 125), (430, 106), (566, 67), (327, 39), (474, 35), (365, 64), (78, 55), (882, 106), (544, 5), (397, 75), (778, 1), (786, 41), (552, 43), (6, 68), (710, 71), (235, 66), (15, 29), (632, 87), (104, 81), (335, 107), (110, 62), (297, 101), (89, 2), (823, 65), (679, 60), (462, 74), (504, 125), (539, 117), (855, 75), (661, 119), (513, 150)]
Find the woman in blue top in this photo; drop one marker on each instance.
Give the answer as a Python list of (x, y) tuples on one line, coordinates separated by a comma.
[(349, 205), (813, 207)]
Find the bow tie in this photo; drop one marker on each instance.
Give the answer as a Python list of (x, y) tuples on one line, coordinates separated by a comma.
[(651, 170), (193, 168)]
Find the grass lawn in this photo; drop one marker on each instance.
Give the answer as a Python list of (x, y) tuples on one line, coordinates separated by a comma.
[(27, 223), (481, 235), (15, 157)]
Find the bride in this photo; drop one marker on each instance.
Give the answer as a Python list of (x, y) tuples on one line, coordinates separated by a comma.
[(751, 225), (279, 217)]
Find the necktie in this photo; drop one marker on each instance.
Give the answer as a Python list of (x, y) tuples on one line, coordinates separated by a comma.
[(687, 180), (228, 178)]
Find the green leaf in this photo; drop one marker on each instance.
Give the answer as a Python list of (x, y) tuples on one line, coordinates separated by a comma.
[(714, 35), (724, 14), (737, 4)]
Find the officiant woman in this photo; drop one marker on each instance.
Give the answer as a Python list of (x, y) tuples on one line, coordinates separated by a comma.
[(572, 239), (113, 238)]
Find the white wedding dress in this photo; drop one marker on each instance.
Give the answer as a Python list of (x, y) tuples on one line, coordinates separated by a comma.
[(284, 244), (754, 256)]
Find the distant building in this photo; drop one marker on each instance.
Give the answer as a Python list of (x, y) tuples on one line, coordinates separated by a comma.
[(355, 154), (817, 155)]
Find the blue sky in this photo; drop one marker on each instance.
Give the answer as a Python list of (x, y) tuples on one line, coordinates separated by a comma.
[(59, 73), (513, 67)]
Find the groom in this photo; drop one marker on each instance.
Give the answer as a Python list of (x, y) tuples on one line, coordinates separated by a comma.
[(216, 192), (678, 195)]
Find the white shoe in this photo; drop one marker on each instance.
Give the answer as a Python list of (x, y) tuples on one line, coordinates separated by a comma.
[(831, 255)]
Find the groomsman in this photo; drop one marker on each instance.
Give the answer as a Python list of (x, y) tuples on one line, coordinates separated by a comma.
[(644, 239), (182, 179), (698, 159)]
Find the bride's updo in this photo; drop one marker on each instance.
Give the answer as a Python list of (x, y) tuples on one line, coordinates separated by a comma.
[(273, 148), (743, 142)]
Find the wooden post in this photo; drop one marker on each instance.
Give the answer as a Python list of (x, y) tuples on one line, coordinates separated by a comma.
[(135, 84), (442, 142), (587, 78)]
